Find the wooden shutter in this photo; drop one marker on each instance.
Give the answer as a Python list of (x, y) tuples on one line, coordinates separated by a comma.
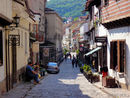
[(111, 55), (118, 55), (122, 56)]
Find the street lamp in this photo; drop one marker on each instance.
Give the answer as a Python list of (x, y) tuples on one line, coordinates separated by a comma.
[(16, 20), (14, 39), (14, 24)]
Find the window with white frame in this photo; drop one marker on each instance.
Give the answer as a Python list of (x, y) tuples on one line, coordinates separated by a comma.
[(117, 56)]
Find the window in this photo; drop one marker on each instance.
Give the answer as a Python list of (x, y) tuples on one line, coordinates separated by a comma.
[(106, 2), (117, 60), (1, 49)]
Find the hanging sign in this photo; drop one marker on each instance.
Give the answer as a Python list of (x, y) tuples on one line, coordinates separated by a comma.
[(101, 39)]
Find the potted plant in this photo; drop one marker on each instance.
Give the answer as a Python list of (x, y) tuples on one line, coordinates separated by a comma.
[(87, 71), (95, 78), (108, 81)]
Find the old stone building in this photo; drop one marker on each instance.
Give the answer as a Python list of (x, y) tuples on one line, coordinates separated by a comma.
[(37, 33), (54, 33), (5, 20), (20, 28)]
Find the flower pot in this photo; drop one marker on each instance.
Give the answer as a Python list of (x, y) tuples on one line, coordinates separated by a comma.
[(108, 82)]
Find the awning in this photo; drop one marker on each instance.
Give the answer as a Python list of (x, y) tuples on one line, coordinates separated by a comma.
[(92, 51)]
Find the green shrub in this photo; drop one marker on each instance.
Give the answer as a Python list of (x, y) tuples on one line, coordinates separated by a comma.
[(86, 68), (77, 51), (89, 72)]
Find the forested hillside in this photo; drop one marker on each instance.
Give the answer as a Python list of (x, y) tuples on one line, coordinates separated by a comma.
[(67, 8)]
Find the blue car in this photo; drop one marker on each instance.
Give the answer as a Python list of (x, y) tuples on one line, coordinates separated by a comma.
[(52, 67)]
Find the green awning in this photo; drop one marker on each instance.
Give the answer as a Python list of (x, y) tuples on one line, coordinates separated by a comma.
[(92, 51)]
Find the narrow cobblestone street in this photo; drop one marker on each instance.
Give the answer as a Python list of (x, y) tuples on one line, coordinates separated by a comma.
[(69, 83)]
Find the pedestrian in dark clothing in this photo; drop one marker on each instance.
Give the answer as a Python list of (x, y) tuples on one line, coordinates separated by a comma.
[(65, 57), (73, 62), (76, 62), (70, 56)]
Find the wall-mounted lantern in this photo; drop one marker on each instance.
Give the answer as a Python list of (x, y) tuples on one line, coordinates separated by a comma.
[(16, 20), (14, 39)]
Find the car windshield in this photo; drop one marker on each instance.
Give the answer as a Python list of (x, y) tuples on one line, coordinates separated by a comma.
[(52, 64)]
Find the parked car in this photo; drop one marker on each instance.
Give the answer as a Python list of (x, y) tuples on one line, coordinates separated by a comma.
[(52, 67)]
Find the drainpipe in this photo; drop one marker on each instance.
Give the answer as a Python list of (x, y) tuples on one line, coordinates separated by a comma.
[(7, 60)]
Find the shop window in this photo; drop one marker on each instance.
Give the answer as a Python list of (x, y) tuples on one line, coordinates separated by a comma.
[(117, 60), (1, 49)]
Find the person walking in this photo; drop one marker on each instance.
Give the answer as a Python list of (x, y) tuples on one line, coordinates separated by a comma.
[(76, 62), (70, 56), (65, 57), (73, 61)]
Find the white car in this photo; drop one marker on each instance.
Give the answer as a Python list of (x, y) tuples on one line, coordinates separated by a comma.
[(52, 67)]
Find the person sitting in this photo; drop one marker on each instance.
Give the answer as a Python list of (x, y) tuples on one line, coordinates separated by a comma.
[(36, 68), (31, 74)]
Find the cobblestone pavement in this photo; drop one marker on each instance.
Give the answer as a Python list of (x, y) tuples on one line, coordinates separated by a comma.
[(115, 92), (69, 83)]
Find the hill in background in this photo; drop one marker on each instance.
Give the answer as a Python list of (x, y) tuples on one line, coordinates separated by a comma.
[(67, 8)]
